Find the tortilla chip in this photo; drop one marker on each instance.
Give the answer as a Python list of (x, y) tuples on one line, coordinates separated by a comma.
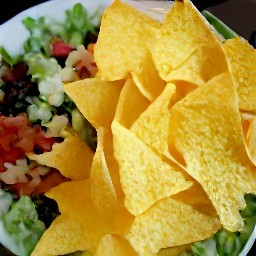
[(89, 210), (174, 251), (249, 130), (125, 44), (153, 124), (205, 128), (96, 99), (130, 105), (241, 57), (196, 197), (72, 157), (188, 48), (107, 142), (112, 245), (145, 177), (148, 80), (170, 223)]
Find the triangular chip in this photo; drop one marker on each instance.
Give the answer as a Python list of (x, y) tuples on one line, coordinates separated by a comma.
[(113, 245), (111, 162), (205, 129), (72, 157), (148, 80), (126, 43), (241, 57), (176, 250), (249, 130), (89, 210), (96, 99), (153, 124), (170, 223), (196, 197), (145, 177), (130, 105), (188, 48)]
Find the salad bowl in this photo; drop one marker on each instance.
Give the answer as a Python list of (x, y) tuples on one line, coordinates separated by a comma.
[(13, 33)]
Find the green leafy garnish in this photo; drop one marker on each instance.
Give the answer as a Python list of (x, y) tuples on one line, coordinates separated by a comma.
[(20, 228)]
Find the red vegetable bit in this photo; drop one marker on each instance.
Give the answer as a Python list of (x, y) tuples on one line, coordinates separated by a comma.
[(12, 155), (42, 144), (2, 168), (61, 49), (16, 73), (50, 180)]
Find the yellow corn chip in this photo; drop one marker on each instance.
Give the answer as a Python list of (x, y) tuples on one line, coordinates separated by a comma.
[(145, 177), (126, 43), (130, 105), (196, 197), (89, 210), (111, 162), (152, 125), (113, 245), (148, 80), (188, 48), (169, 223), (174, 251), (241, 57), (205, 129), (249, 130), (96, 99), (72, 157)]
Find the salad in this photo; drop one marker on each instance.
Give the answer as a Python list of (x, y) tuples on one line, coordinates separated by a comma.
[(36, 113)]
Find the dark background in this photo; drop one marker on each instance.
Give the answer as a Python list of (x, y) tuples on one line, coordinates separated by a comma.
[(239, 15)]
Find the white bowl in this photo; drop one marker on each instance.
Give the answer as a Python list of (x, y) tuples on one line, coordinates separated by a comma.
[(13, 29)]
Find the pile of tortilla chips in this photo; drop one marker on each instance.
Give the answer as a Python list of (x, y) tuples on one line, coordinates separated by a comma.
[(174, 108)]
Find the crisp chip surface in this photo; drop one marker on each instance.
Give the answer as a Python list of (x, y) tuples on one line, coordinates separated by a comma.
[(112, 245), (241, 57), (72, 157), (155, 229), (188, 49), (96, 99), (145, 177), (205, 128), (131, 104), (127, 46), (152, 123)]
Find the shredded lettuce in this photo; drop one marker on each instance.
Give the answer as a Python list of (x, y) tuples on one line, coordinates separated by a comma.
[(205, 248), (20, 229), (72, 30)]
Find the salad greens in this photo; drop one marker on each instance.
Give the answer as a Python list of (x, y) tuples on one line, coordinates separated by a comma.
[(73, 30), (19, 225)]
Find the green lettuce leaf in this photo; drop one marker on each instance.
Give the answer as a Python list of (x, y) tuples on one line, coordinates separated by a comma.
[(20, 229)]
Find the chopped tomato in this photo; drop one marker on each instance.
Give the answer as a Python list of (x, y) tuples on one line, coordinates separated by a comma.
[(61, 49), (50, 180), (12, 155), (18, 136)]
